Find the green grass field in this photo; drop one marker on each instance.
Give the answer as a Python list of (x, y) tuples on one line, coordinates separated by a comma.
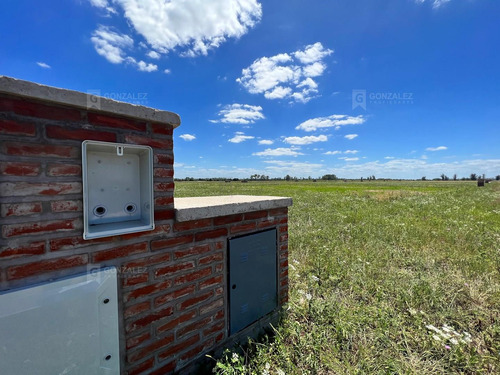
[(385, 278)]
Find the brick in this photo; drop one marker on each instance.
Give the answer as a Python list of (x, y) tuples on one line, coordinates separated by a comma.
[(165, 144), (66, 206), (170, 242), (164, 159), (64, 170), (284, 273), (59, 132), (148, 319), (193, 276), (40, 227), (163, 129), (227, 219), (40, 150), (219, 315), (176, 322), (172, 269), (168, 368), (44, 266), (267, 224), (145, 262), (136, 309), (159, 229), (193, 327), (284, 282), (137, 340), (220, 245), (75, 242), (146, 291), (215, 233), (20, 169), (142, 368), (195, 300), (196, 250), (255, 215), (164, 214), (243, 228), (161, 300), (17, 128), (16, 189), (34, 248), (194, 224), (135, 279), (284, 263), (211, 306), (211, 258), (278, 211), (164, 186), (115, 122), (283, 229), (21, 209), (219, 267), (150, 349), (164, 201), (119, 252), (218, 327), (211, 282), (163, 172), (34, 109), (174, 349)]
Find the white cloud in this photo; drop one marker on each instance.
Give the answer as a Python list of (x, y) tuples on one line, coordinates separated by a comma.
[(305, 140), (440, 148), (43, 65), (167, 71), (336, 152), (286, 75), (240, 114), (350, 136), (265, 142), (281, 167), (111, 44), (193, 27), (351, 151), (278, 152), (142, 66), (187, 137), (240, 137), (348, 159), (335, 121), (435, 3), (154, 55), (389, 157)]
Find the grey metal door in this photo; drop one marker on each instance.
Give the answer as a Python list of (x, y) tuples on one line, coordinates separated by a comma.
[(252, 278)]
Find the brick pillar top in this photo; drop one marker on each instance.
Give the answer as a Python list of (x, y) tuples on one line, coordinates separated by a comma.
[(88, 101)]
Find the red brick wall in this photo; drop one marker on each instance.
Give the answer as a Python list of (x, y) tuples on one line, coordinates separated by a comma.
[(172, 280)]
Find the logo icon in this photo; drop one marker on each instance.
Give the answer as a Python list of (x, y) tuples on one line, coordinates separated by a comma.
[(93, 99), (359, 99)]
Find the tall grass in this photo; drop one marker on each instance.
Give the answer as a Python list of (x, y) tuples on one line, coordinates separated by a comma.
[(385, 278)]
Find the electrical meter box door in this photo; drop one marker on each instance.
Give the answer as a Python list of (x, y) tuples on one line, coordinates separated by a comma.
[(117, 189), (68, 326), (252, 278)]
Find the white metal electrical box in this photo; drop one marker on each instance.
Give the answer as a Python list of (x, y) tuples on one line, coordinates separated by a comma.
[(117, 189), (68, 326)]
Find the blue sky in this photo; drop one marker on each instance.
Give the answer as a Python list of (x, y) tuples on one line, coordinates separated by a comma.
[(393, 88)]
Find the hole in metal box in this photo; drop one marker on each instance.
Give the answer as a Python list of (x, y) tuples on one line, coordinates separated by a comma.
[(117, 189)]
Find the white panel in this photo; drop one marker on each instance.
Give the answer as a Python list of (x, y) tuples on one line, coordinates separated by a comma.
[(68, 326)]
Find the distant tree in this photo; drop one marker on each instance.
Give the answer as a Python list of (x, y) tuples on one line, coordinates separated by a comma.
[(455, 177), (444, 177), (287, 177), (329, 177), (424, 178), (497, 177), (473, 176)]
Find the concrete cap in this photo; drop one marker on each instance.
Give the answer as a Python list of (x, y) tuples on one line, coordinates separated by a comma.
[(196, 208), (89, 101)]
